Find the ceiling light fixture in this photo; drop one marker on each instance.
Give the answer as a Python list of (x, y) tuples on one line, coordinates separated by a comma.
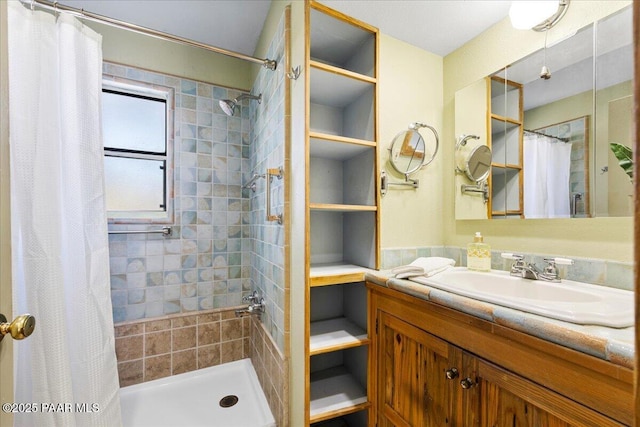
[(545, 73), (539, 15)]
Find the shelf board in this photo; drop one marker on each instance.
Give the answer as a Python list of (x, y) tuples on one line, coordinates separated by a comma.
[(339, 138), (509, 120), (335, 273), (336, 90), (338, 148), (335, 334), (334, 207), (334, 394), (509, 212), (505, 166), (341, 71)]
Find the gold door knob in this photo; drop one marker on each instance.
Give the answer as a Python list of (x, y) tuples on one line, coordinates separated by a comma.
[(21, 327)]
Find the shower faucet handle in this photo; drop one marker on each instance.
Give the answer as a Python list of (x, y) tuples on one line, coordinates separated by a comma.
[(251, 298)]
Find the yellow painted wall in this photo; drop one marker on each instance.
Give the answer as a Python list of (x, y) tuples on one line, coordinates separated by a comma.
[(603, 238), (410, 91), (138, 50)]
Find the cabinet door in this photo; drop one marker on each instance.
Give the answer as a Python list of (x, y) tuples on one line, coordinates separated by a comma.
[(509, 400), (465, 396), (413, 389)]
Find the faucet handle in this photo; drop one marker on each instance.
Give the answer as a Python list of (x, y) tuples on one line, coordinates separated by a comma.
[(519, 260), (550, 272), (515, 257), (552, 262), (560, 261), (251, 298)]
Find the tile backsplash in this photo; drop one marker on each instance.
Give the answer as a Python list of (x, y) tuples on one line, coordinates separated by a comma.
[(596, 271)]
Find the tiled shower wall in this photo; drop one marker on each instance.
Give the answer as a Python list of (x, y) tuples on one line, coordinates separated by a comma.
[(205, 263), (171, 295), (267, 152)]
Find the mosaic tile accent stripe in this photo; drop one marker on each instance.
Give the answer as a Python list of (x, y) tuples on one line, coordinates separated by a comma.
[(596, 271), (150, 349), (204, 264)]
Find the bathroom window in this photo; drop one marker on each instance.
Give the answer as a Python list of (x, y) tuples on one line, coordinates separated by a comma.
[(136, 138)]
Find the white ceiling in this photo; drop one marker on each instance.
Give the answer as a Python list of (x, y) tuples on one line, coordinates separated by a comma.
[(437, 26)]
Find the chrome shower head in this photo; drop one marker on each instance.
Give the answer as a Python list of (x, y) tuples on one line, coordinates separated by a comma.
[(229, 105)]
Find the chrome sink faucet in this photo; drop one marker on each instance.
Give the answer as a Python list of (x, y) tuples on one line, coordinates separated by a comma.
[(526, 270)]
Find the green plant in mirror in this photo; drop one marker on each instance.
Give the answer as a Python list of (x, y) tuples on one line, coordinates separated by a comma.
[(624, 156)]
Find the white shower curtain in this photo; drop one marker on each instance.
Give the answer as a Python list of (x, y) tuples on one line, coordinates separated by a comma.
[(58, 220), (547, 168)]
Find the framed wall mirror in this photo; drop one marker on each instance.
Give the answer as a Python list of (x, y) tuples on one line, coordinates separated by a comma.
[(550, 119)]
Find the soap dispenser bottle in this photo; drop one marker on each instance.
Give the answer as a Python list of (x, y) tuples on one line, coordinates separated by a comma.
[(478, 254)]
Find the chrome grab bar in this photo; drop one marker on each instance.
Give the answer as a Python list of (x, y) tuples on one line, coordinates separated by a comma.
[(166, 231), (278, 173)]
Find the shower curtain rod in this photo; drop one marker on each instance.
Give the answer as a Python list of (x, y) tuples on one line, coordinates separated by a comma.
[(83, 14), (548, 136)]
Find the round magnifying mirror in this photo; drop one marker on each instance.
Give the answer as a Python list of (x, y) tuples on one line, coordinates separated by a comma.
[(478, 163), (407, 152)]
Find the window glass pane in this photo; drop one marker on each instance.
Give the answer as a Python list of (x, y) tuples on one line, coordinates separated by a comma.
[(133, 123), (134, 184)]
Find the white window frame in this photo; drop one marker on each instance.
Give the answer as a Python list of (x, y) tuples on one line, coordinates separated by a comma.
[(165, 94)]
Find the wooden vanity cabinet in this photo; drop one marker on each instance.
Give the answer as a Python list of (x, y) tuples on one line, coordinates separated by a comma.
[(426, 374)]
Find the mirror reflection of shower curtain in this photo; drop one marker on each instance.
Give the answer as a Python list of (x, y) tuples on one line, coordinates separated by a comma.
[(547, 164)]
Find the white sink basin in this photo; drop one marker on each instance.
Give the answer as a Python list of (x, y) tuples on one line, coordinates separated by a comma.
[(570, 301)]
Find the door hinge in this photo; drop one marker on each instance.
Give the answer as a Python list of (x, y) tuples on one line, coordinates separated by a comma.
[(376, 325)]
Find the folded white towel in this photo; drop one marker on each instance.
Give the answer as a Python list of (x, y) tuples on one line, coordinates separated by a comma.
[(423, 266)]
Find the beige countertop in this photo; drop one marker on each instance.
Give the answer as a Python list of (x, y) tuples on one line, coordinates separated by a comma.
[(612, 344)]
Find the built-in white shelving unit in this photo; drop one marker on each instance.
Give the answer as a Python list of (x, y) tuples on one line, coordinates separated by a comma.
[(343, 212)]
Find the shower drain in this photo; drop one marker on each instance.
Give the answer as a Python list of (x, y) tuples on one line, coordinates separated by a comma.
[(228, 401)]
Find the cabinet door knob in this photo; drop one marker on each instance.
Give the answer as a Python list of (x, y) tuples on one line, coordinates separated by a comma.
[(466, 383), (21, 327), (451, 373)]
